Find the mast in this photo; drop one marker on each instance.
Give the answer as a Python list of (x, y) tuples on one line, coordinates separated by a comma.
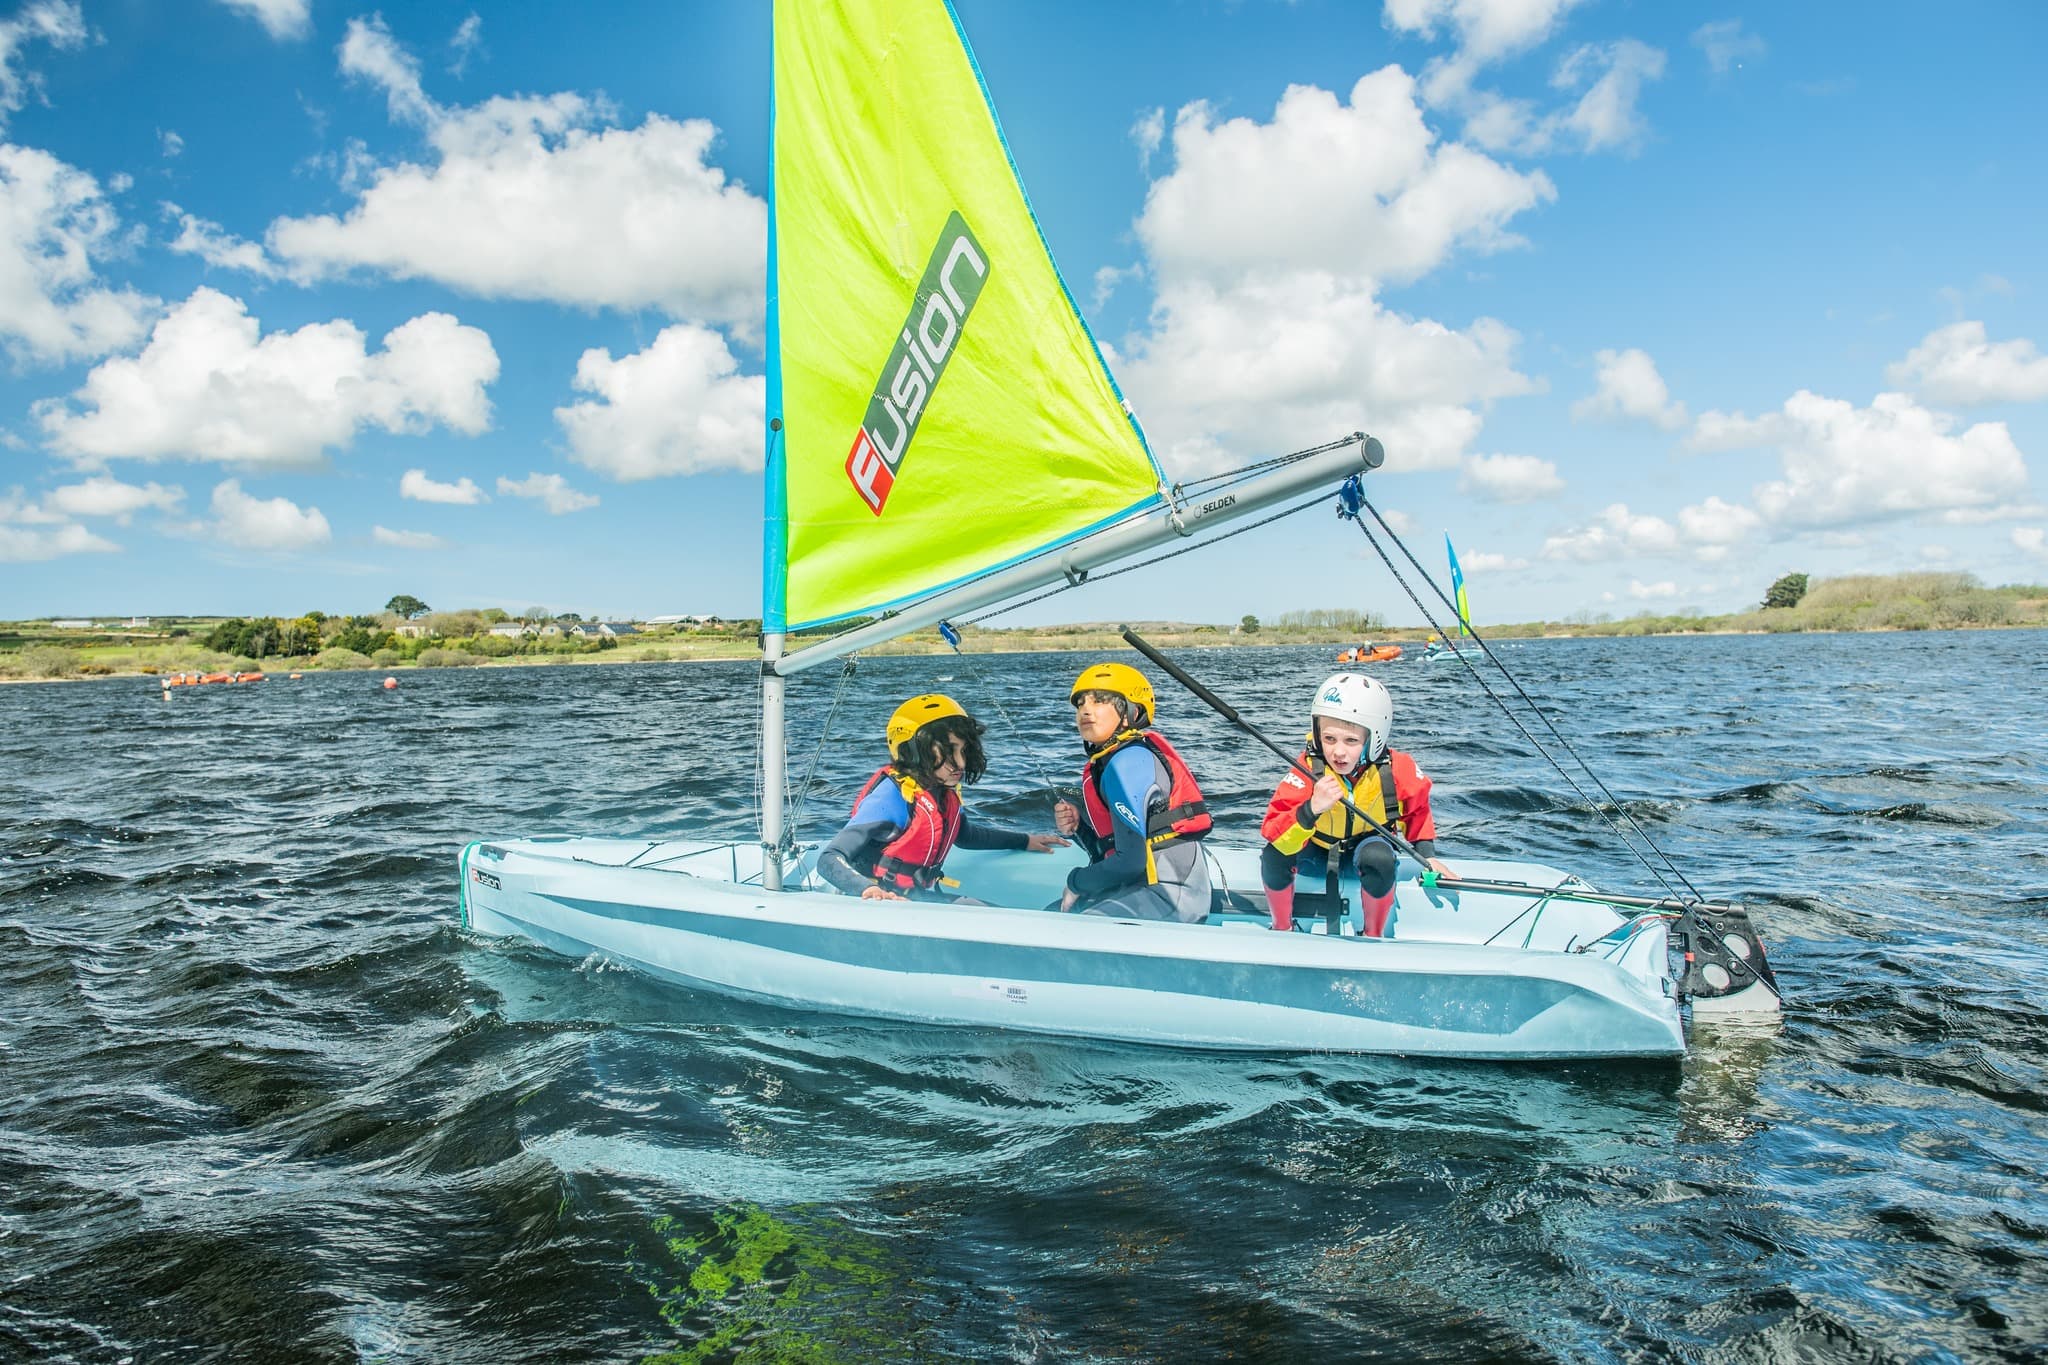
[(773, 760)]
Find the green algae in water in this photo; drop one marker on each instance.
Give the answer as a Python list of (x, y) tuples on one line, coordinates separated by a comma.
[(796, 1286)]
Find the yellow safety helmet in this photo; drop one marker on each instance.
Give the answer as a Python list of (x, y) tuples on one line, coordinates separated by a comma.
[(1122, 679), (917, 713)]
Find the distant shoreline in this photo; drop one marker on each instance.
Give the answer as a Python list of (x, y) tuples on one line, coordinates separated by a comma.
[(1056, 640), (49, 651)]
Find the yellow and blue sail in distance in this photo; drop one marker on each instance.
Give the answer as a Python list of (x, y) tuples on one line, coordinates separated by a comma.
[(1458, 589), (937, 407)]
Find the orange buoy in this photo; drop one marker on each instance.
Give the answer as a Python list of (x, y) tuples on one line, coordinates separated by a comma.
[(390, 683)]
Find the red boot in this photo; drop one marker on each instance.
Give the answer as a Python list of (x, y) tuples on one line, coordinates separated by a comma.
[(1377, 911), (1280, 900)]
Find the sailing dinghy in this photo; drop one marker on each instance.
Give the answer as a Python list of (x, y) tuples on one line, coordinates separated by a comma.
[(943, 436)]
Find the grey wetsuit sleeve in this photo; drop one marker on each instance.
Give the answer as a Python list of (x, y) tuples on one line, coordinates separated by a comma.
[(973, 835), (852, 849)]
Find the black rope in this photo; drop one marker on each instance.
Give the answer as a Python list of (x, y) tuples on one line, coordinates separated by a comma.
[(1530, 702)]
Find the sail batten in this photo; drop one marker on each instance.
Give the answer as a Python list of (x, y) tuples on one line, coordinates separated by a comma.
[(944, 410)]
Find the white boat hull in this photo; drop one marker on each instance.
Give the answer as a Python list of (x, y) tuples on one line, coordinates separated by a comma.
[(1570, 980)]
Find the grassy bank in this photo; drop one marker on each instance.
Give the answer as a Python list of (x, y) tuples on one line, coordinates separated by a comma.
[(1908, 601)]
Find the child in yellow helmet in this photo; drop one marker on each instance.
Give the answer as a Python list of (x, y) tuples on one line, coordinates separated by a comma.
[(1142, 816), (909, 816)]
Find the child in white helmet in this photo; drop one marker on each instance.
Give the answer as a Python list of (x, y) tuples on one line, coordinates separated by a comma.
[(1307, 821)]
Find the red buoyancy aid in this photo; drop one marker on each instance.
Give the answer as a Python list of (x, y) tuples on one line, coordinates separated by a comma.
[(1185, 815), (914, 859)]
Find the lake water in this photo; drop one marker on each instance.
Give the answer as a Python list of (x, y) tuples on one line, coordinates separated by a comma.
[(263, 1099)]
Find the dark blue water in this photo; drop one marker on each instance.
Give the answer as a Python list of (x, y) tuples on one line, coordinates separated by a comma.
[(261, 1099)]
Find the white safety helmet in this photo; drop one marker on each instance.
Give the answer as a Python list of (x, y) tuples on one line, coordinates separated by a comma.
[(1364, 702)]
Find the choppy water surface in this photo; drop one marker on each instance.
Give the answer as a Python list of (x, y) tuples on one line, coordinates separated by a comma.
[(263, 1099)]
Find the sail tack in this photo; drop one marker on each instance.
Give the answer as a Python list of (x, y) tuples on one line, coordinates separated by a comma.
[(942, 408)]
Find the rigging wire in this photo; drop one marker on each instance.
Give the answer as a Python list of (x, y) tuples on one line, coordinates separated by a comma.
[(794, 825), (1354, 500), (1543, 716)]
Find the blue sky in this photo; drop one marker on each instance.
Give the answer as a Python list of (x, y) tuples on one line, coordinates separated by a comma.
[(306, 304)]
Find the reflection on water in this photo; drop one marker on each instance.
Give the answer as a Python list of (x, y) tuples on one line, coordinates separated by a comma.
[(265, 1101)]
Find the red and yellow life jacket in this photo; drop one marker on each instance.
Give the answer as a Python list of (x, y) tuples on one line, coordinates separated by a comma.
[(1185, 815), (1371, 788), (914, 860)]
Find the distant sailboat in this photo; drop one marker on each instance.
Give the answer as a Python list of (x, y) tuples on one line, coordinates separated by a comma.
[(1443, 649), (943, 435)]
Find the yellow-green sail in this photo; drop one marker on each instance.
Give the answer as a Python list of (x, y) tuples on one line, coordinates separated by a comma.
[(937, 407)]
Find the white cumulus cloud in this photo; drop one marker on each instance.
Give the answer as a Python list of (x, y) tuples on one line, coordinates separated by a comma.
[(1608, 79), (29, 544), (1486, 562), (1612, 76), (1958, 364), (212, 243), (679, 407), (467, 38), (55, 221), (1841, 465), (1304, 358), (1645, 592), (60, 23), (1147, 133), (1714, 527), (1484, 32), (1616, 532), (1629, 388), (540, 198), (280, 18), (211, 386), (1359, 188), (1509, 478), (1726, 44), (275, 524), (463, 492), (552, 491), (1267, 245), (406, 540), (102, 496)]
